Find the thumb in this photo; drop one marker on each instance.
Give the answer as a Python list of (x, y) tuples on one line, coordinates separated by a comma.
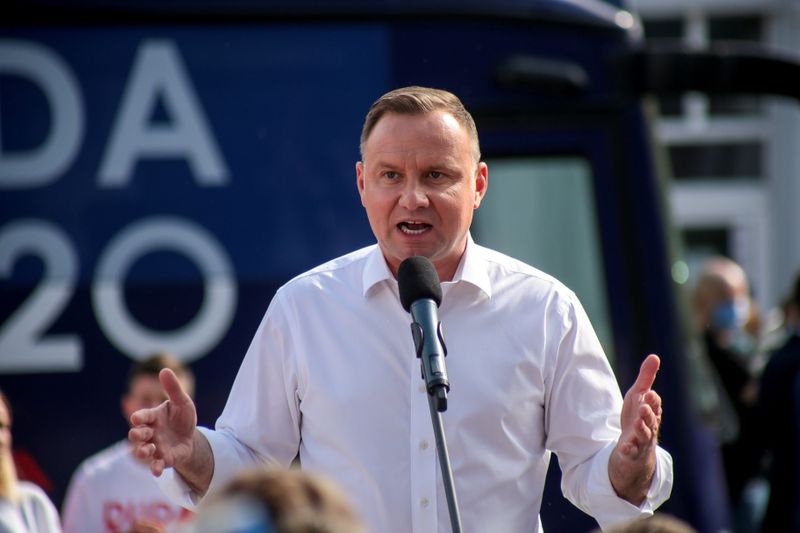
[(172, 386), (647, 373)]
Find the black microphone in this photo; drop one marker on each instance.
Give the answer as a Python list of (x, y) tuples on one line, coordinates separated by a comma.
[(421, 294)]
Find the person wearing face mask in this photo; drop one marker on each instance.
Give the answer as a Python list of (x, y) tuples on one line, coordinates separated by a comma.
[(779, 417), (728, 319)]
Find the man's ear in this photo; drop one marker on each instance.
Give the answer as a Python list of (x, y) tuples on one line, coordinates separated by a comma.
[(360, 180), (481, 184)]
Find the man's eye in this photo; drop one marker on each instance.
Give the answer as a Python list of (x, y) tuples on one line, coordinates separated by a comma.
[(435, 175), (390, 175)]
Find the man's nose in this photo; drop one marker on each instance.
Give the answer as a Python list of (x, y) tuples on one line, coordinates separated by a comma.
[(413, 195)]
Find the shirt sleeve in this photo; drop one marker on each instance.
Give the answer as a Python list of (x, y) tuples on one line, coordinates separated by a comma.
[(582, 423), (261, 419)]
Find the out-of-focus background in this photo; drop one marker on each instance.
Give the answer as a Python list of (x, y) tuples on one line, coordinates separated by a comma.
[(734, 160), (166, 166)]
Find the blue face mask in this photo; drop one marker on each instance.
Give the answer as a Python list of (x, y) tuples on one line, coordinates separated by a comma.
[(729, 318), (731, 315)]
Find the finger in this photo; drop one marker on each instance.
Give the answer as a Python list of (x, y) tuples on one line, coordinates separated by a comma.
[(172, 386), (145, 451), (647, 373), (143, 417), (646, 429), (648, 416), (652, 398), (643, 433), (140, 434), (654, 401), (157, 467)]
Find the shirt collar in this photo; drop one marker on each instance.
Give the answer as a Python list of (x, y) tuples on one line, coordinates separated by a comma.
[(472, 269), (375, 270)]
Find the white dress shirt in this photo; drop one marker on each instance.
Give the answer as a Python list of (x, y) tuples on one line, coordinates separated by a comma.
[(332, 375)]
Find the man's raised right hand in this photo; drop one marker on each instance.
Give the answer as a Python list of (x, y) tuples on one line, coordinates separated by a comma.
[(164, 435)]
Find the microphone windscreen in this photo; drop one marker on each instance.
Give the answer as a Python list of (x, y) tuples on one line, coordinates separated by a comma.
[(417, 279)]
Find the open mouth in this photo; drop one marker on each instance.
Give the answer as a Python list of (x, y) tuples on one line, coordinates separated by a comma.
[(413, 228)]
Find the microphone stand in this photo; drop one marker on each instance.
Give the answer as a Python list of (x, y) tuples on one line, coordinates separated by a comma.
[(444, 457), (438, 385)]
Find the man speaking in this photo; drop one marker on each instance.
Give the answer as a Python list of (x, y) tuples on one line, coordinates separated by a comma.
[(331, 376)]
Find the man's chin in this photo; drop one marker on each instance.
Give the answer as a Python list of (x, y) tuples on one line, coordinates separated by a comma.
[(396, 256), (418, 252)]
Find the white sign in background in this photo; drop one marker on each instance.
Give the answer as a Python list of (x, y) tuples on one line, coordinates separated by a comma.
[(158, 75)]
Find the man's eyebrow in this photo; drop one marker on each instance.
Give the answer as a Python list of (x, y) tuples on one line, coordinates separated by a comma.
[(383, 163), (446, 164)]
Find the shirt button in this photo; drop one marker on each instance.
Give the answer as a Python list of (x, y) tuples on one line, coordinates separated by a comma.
[(423, 445), (422, 388), (424, 502)]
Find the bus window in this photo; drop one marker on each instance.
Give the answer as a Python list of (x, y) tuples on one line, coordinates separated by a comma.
[(542, 211)]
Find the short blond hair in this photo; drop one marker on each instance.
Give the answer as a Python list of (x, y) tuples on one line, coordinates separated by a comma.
[(295, 501), (416, 100)]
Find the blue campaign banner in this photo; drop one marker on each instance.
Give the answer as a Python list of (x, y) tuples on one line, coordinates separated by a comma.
[(156, 185), (233, 148), (226, 127)]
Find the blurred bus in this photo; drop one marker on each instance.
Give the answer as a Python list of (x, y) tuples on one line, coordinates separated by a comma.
[(166, 166)]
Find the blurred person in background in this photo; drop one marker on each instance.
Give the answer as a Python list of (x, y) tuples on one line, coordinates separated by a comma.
[(729, 320), (24, 507), (779, 417), (112, 491), (278, 501)]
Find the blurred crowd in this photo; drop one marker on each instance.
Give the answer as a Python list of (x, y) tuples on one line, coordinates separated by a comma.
[(112, 491), (757, 370)]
